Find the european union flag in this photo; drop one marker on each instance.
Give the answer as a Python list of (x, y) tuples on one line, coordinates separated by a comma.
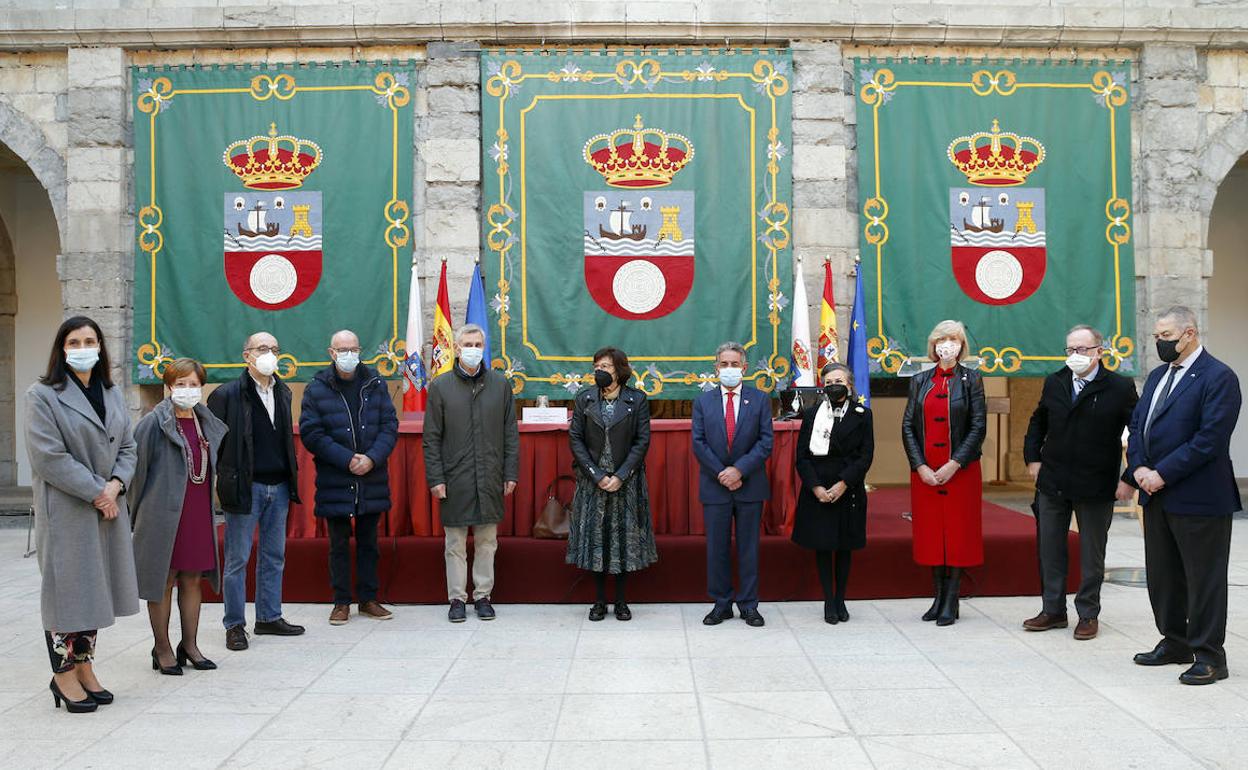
[(476, 309), (858, 361)]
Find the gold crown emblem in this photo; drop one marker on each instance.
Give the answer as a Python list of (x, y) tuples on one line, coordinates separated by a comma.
[(638, 157), (996, 159), (272, 162)]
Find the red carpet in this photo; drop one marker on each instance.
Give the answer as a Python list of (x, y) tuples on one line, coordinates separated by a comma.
[(529, 570)]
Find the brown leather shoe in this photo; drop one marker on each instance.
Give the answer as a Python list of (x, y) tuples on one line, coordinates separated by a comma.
[(373, 609), (1044, 621), (236, 638), (1086, 629), (340, 615)]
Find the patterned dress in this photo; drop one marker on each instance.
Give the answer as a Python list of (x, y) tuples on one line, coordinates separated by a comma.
[(611, 531)]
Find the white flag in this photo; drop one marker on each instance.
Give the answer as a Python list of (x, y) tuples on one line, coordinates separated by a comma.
[(803, 362), (415, 377)]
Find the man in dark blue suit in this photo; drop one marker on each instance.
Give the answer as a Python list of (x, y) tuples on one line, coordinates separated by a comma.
[(1179, 457), (732, 441)]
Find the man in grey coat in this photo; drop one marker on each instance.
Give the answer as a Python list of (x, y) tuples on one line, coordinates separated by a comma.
[(472, 461)]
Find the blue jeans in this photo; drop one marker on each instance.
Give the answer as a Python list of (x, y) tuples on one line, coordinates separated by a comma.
[(269, 505)]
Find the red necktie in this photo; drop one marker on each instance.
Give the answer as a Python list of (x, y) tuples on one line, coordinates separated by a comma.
[(730, 419)]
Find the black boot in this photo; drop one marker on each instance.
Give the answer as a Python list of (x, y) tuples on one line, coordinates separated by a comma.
[(949, 602), (938, 591)]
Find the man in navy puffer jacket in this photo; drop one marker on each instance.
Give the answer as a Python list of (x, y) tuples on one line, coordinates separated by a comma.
[(349, 425)]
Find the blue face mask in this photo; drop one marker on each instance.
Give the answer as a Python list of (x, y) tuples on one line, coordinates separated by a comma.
[(471, 357), (730, 376), (82, 359)]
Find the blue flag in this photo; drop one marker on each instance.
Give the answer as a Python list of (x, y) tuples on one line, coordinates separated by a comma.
[(858, 361), (476, 309)]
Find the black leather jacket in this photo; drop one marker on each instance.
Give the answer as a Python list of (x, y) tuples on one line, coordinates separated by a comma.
[(629, 433), (968, 416)]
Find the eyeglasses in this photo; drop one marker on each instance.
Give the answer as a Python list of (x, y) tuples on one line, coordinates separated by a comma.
[(262, 349), (1083, 351), (347, 350)]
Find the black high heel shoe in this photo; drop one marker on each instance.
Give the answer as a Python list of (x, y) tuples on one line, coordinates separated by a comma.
[(84, 706), (203, 664), (101, 697), (842, 612), (174, 670)]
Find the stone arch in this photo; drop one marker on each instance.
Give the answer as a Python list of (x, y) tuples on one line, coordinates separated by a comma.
[(26, 139), (1215, 161)]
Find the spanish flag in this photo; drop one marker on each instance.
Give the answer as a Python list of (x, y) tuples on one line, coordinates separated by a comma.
[(443, 336), (828, 345)]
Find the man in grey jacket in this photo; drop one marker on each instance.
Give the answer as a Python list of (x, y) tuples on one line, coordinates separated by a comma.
[(472, 461)]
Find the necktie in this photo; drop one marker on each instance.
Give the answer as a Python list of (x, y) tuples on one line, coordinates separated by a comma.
[(730, 419), (1079, 385), (1166, 387)]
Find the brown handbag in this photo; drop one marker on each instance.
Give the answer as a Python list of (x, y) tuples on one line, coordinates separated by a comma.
[(553, 522)]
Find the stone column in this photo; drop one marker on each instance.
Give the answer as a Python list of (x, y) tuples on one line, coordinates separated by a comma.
[(8, 313), (824, 185), (1172, 264), (448, 169), (96, 264)]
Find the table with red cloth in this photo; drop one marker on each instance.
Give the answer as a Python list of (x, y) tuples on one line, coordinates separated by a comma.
[(671, 471)]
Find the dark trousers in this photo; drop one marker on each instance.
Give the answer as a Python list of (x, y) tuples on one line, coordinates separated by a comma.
[(366, 555), (719, 519), (1186, 559), (1053, 522)]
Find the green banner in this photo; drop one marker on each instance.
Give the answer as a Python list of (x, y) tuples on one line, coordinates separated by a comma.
[(637, 199), (273, 199), (998, 194)]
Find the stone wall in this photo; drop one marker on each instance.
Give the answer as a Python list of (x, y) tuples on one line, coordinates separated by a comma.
[(66, 110)]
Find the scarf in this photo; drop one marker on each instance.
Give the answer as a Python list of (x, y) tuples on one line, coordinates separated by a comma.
[(821, 433)]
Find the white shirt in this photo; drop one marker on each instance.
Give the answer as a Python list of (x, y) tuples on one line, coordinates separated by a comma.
[(1161, 384), (266, 397)]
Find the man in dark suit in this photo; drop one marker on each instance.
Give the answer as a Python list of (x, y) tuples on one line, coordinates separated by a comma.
[(1179, 457), (732, 441), (1073, 451)]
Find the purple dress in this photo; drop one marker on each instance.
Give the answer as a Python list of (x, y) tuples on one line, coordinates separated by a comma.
[(193, 548)]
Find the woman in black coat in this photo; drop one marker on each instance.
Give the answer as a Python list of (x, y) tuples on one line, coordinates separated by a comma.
[(610, 527), (834, 452)]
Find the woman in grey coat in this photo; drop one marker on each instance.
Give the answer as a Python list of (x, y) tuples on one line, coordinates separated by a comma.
[(175, 540), (82, 456)]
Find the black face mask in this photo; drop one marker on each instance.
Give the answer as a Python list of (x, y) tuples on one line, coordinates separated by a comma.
[(836, 393), (603, 379), (1168, 350)]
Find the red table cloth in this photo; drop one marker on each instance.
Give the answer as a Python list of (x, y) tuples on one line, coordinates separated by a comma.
[(671, 472)]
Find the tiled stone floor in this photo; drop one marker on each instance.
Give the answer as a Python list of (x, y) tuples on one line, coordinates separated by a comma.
[(543, 687)]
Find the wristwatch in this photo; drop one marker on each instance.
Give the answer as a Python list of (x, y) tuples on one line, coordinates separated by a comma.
[(122, 483)]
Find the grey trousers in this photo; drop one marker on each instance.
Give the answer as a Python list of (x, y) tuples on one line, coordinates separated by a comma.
[(1054, 522)]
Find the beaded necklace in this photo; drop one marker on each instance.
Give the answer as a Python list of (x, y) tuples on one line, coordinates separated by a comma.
[(186, 450)]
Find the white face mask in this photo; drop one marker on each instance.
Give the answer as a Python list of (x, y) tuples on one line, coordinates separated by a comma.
[(82, 359), (1078, 362), (266, 364), (346, 362), (471, 357), (730, 376), (948, 350), (186, 398)]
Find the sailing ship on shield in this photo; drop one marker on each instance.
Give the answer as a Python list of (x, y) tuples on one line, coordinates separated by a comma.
[(638, 238), (273, 228), (998, 249)]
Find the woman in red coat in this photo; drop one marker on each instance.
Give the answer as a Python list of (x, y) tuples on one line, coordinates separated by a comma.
[(943, 431)]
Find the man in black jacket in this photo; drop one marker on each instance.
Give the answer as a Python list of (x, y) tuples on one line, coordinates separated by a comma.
[(1073, 451), (256, 481), (349, 425)]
